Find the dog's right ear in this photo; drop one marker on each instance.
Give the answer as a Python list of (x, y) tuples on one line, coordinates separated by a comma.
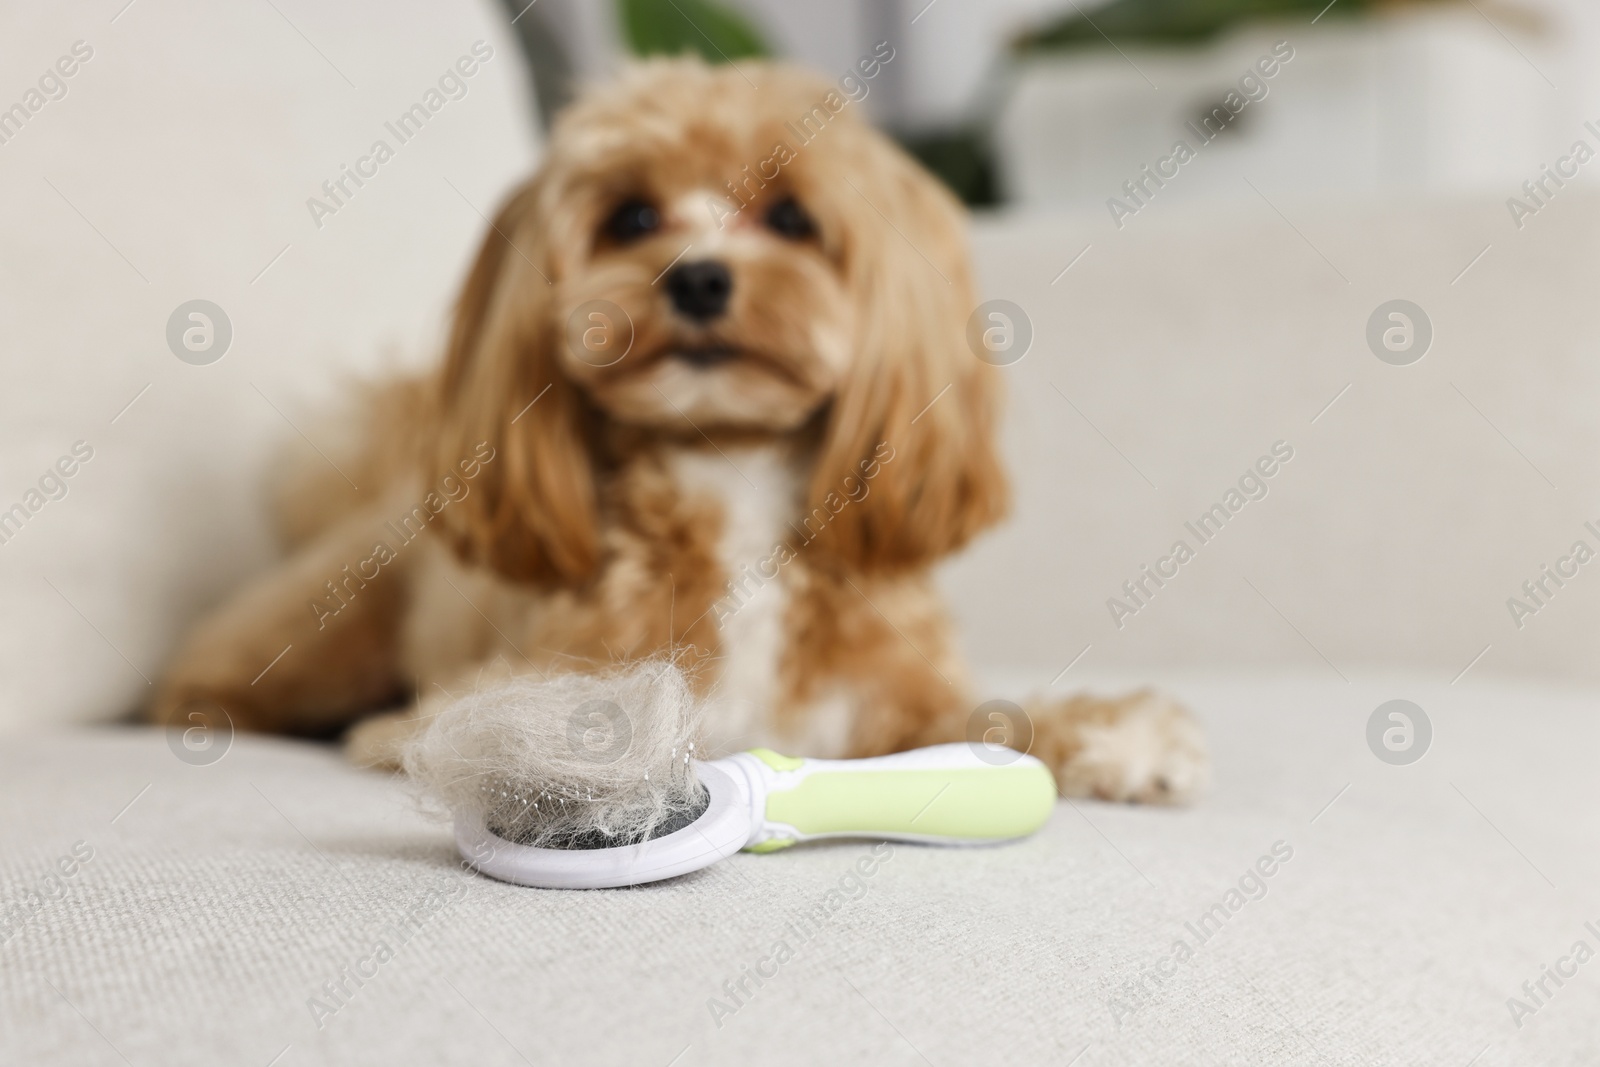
[(530, 512)]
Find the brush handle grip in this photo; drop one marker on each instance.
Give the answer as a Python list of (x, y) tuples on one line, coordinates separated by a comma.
[(945, 794)]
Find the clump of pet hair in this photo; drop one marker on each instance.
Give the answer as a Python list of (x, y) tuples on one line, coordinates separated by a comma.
[(569, 761)]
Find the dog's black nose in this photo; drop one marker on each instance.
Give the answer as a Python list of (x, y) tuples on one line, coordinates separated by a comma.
[(700, 290)]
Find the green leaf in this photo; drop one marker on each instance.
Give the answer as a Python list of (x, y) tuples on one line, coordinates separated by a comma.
[(671, 27), (1172, 22)]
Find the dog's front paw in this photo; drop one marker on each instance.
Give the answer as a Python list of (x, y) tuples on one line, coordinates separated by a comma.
[(378, 741), (1143, 747)]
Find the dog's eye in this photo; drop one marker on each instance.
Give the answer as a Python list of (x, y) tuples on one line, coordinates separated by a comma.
[(631, 221), (788, 218)]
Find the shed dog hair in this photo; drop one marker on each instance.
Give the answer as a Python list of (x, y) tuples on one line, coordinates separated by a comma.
[(694, 403)]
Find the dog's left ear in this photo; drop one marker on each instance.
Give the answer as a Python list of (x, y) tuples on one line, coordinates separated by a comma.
[(908, 469)]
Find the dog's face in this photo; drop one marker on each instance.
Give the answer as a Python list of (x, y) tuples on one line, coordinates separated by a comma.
[(701, 276), (719, 249)]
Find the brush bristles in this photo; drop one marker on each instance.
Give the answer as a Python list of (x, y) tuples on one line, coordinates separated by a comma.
[(575, 761)]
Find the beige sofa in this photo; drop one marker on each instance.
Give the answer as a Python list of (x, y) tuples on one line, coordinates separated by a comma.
[(273, 906)]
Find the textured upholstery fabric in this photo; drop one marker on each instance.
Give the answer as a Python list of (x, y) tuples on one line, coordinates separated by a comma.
[(178, 167), (224, 897), (1414, 506)]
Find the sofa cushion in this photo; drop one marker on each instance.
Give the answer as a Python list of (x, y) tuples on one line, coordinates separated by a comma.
[(194, 912), (178, 166)]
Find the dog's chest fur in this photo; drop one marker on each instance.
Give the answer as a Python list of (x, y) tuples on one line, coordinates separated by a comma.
[(757, 493)]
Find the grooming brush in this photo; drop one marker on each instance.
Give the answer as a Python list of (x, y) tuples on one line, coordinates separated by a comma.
[(598, 797)]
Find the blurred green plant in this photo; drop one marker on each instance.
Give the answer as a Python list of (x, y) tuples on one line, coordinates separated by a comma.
[(1175, 22), (671, 27), (961, 157)]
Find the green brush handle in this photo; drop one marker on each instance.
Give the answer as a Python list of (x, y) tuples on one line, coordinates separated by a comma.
[(946, 794)]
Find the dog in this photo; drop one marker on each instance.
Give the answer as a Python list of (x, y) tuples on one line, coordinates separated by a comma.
[(707, 393)]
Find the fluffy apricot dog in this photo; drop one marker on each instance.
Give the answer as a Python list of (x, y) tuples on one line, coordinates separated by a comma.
[(707, 393)]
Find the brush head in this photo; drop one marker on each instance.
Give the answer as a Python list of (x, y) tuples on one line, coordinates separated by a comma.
[(575, 761)]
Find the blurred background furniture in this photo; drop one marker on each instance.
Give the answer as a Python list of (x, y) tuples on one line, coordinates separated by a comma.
[(1043, 102)]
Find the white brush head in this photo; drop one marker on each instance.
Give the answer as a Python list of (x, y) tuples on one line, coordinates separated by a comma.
[(576, 761)]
